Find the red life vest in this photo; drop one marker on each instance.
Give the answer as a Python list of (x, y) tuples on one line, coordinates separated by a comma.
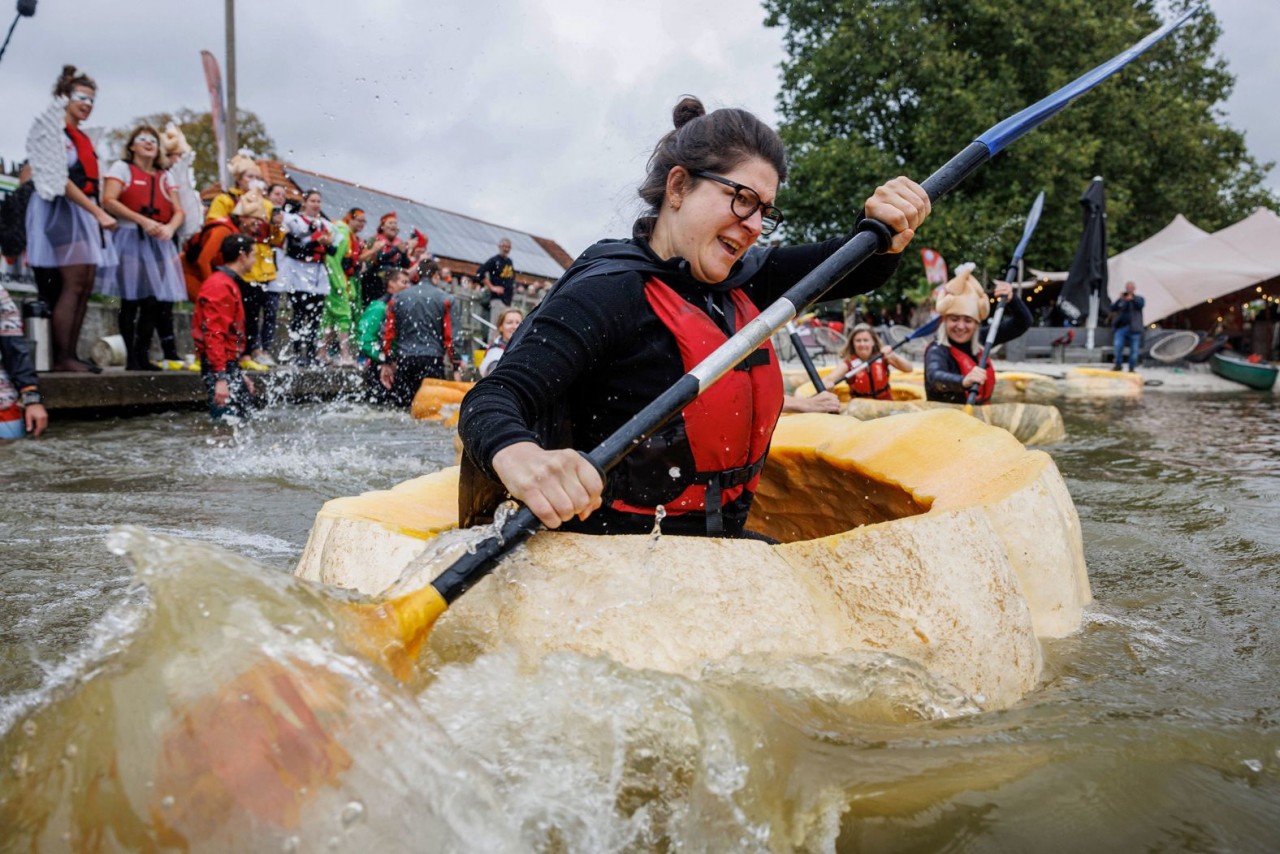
[(729, 427), (145, 194), (84, 172), (872, 381), (967, 363)]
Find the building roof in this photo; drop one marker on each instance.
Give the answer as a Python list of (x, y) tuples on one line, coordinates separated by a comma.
[(452, 235)]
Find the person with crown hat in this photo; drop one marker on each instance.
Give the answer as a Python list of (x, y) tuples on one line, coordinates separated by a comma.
[(386, 251), (951, 362)]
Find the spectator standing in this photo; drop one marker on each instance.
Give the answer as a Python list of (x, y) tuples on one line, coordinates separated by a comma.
[(66, 226), (266, 330), (508, 323), (21, 407), (217, 327), (385, 252), (337, 302), (421, 338), (369, 336), (1127, 325), (303, 274), (141, 195), (248, 217), (498, 278), (245, 176)]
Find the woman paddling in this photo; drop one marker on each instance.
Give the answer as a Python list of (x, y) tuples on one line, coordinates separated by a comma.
[(871, 380), (631, 317), (951, 363)]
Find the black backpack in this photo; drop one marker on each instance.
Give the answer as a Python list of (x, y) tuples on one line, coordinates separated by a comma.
[(13, 220)]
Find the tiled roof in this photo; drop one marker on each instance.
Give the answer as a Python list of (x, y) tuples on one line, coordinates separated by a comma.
[(453, 236)]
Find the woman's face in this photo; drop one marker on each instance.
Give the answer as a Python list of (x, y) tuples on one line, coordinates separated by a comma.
[(311, 205), (705, 231), (863, 345), (277, 196), (510, 323), (246, 179), (80, 103), (960, 328), (144, 147)]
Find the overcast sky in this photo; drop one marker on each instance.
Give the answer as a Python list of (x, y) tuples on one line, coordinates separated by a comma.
[(534, 114)]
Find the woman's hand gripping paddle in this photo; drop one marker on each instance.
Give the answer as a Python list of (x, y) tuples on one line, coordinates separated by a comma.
[(398, 626), (1033, 218)]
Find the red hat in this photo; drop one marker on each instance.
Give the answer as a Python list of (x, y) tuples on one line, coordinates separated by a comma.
[(419, 238)]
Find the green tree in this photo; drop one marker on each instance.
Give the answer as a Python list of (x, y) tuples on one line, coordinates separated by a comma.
[(877, 88), (198, 128)]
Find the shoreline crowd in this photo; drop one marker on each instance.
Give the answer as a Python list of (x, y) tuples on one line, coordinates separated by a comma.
[(139, 232)]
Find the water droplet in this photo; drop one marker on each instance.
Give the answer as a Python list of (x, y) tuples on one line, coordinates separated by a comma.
[(29, 729), (291, 844), (167, 801), (352, 813), (1254, 765)]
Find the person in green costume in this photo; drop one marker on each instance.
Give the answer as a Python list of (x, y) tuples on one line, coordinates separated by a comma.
[(338, 304), (369, 335)]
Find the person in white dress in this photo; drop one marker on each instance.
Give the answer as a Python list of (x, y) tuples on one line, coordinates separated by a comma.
[(303, 275)]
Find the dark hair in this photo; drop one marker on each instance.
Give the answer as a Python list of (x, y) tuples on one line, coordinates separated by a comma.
[(394, 273), (235, 245), (273, 185), (711, 142), (306, 194), (70, 78), (161, 162)]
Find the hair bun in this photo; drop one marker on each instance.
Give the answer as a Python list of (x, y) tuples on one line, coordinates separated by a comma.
[(686, 111)]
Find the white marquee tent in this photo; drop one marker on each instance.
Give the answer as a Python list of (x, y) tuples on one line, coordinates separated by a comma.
[(1182, 266)]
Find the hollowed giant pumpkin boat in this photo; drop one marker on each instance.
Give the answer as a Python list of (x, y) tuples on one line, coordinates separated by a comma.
[(932, 537)]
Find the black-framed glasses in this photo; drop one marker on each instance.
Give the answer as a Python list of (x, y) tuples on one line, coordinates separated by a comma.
[(746, 202)]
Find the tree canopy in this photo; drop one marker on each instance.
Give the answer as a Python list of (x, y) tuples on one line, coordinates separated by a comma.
[(198, 128), (878, 88)]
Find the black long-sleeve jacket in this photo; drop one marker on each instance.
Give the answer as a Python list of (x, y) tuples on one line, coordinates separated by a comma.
[(942, 377), (598, 349)]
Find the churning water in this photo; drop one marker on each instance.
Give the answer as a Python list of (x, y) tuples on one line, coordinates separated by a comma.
[(132, 712)]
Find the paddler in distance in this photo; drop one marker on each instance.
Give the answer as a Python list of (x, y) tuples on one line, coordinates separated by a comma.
[(867, 378), (631, 317), (951, 361)]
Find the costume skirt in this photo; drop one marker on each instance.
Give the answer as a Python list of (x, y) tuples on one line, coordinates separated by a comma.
[(147, 268), (60, 233), (300, 277)]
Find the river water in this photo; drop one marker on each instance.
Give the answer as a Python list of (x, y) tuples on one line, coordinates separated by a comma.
[(1157, 727)]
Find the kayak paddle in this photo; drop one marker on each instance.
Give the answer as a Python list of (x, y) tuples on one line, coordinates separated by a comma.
[(1033, 218), (805, 359), (403, 622)]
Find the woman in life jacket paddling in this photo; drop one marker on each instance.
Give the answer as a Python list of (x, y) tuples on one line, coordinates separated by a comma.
[(631, 317), (148, 278), (870, 380), (951, 362)]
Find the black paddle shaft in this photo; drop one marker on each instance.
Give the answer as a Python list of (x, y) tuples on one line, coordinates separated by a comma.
[(872, 237)]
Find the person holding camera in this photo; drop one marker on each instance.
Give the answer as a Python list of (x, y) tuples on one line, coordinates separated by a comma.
[(1126, 320), (148, 279)]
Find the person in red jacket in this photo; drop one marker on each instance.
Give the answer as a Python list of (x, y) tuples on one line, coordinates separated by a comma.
[(218, 329)]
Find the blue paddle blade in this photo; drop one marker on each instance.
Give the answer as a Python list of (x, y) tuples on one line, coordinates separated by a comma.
[(1033, 218), (1005, 132)]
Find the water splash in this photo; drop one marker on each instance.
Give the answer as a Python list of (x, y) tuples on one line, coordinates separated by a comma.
[(659, 513)]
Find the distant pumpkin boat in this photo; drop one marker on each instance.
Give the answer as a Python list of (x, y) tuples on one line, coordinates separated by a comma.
[(892, 541)]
